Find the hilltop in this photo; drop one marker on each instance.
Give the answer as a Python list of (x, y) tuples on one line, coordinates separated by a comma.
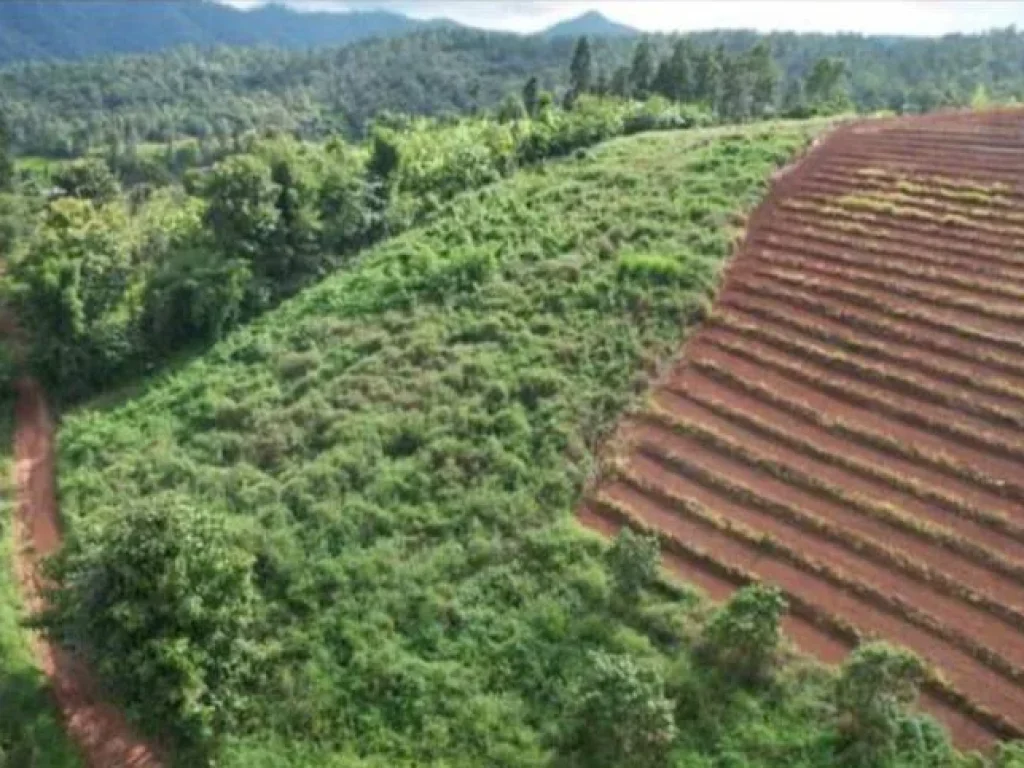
[(592, 24)]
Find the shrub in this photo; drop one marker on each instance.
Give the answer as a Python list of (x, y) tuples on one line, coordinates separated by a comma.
[(633, 560), (622, 717), (742, 637), (877, 683), (162, 602)]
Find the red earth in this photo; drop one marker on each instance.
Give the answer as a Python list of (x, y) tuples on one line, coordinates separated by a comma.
[(847, 424)]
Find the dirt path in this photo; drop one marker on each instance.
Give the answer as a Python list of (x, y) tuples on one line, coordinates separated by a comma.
[(100, 731)]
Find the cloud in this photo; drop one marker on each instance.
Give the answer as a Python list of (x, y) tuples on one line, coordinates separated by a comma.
[(906, 17)]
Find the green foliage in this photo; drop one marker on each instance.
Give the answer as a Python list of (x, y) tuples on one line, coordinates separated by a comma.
[(406, 441), (581, 68), (633, 560), (622, 716), (89, 180), (878, 682), (164, 606), (742, 638)]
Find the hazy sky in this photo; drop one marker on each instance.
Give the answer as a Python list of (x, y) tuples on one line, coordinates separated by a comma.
[(910, 17)]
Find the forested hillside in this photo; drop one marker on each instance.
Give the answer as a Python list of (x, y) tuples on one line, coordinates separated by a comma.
[(65, 29), (61, 109)]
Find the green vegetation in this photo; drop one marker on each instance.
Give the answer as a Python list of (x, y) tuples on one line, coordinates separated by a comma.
[(398, 451), (109, 283)]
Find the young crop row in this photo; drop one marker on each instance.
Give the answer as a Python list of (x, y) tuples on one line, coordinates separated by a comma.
[(796, 231), (943, 300), (883, 601), (905, 234), (851, 430), (833, 178), (973, 190), (811, 613), (947, 164), (874, 324), (888, 515), (869, 470), (871, 300), (893, 379), (824, 206), (940, 187), (904, 267), (869, 198), (879, 350), (855, 395)]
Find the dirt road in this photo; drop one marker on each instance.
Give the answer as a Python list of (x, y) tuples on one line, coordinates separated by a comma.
[(101, 732)]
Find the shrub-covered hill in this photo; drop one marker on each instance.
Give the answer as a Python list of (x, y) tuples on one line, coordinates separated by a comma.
[(366, 495)]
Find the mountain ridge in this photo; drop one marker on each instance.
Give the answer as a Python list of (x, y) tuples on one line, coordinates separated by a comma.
[(591, 23)]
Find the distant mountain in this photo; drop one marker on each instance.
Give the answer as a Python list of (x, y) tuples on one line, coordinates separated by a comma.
[(592, 24), (72, 29)]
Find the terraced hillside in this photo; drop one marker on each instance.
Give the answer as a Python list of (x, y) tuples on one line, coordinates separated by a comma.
[(848, 423)]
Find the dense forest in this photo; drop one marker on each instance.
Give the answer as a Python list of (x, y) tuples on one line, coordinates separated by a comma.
[(64, 109)]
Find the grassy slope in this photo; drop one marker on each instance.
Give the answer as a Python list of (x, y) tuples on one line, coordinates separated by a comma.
[(408, 439)]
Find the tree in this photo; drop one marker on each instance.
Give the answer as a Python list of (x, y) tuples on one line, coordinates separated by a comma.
[(764, 77), (89, 180), (681, 69), (511, 109), (619, 85), (633, 559), (641, 71), (663, 83), (531, 96), (734, 96), (793, 102), (877, 684), (581, 68), (622, 716), (707, 77), (6, 164), (161, 601), (742, 638), (824, 87)]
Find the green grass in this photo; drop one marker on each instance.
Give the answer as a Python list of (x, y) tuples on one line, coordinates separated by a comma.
[(406, 442), (31, 735)]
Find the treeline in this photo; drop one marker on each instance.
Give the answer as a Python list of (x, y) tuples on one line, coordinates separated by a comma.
[(65, 110), (734, 87), (107, 282)]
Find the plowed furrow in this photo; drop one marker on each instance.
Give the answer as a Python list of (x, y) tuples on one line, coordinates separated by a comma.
[(897, 307), (997, 455), (847, 338), (857, 181), (852, 196), (797, 230), (930, 166), (817, 629), (865, 608), (946, 278), (692, 441), (905, 234), (796, 401), (844, 462), (948, 225), (910, 390)]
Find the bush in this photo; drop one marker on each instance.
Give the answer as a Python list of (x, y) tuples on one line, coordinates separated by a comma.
[(161, 601), (742, 638), (623, 717), (878, 682), (633, 560)]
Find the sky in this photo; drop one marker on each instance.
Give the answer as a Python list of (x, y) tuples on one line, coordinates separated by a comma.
[(906, 17)]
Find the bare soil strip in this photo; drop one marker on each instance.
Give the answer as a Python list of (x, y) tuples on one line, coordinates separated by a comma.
[(849, 424), (105, 738)]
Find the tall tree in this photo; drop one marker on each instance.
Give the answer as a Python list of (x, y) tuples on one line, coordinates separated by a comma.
[(531, 96), (641, 71), (707, 77), (6, 164), (824, 87), (581, 70), (620, 82), (763, 74), (733, 97), (681, 67)]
